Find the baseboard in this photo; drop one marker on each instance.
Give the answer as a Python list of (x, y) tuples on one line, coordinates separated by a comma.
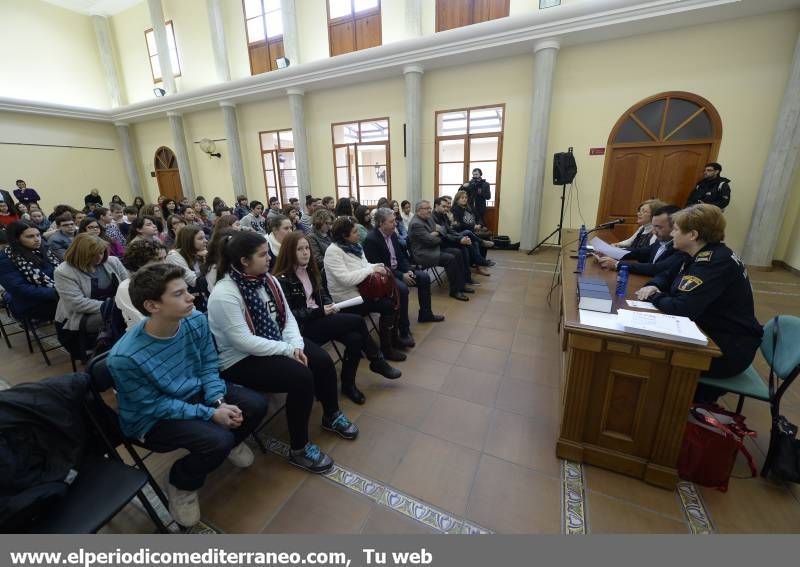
[(785, 266)]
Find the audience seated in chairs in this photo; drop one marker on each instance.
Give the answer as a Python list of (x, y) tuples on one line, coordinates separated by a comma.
[(92, 226), (170, 394), (254, 218), (465, 221), (465, 241), (345, 268), (218, 240), (87, 277), (400, 224), (428, 248), (279, 227), (382, 246), (644, 234), (364, 219), (110, 231), (260, 347), (174, 224), (27, 274), (320, 236), (344, 208), (138, 255), (190, 254), (320, 321), (59, 241), (656, 258)]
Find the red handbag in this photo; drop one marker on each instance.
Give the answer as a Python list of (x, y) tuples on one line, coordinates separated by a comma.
[(377, 286), (711, 442)]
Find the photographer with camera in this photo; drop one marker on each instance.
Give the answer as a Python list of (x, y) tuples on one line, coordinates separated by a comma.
[(478, 192)]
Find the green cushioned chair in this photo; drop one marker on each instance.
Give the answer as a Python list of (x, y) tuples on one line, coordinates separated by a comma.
[(785, 361)]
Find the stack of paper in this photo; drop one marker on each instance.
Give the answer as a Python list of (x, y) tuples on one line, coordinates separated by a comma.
[(603, 248), (593, 295), (662, 326)]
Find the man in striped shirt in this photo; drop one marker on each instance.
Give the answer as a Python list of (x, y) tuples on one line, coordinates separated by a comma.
[(170, 394)]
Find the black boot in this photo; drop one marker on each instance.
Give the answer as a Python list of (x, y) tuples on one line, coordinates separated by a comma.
[(380, 366), (385, 331), (348, 379), (402, 340)]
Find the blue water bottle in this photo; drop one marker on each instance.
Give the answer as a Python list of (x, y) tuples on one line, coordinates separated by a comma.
[(582, 236), (622, 281), (581, 259)]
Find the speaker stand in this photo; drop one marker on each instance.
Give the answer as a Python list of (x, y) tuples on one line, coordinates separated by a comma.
[(557, 230)]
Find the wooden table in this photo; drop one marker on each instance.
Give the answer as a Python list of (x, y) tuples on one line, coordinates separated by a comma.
[(624, 397)]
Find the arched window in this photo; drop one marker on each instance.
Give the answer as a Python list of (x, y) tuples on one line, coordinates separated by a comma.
[(677, 117), (165, 159)]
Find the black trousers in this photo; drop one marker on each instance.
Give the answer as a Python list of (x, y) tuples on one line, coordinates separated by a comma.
[(207, 442), (456, 265), (423, 285), (282, 374), (346, 328)]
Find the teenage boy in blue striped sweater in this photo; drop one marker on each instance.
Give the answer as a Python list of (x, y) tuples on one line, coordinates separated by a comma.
[(170, 394)]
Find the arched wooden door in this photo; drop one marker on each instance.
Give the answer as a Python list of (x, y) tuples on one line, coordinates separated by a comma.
[(167, 176), (657, 149)]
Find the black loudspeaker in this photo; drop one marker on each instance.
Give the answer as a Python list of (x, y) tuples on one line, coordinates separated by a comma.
[(564, 168)]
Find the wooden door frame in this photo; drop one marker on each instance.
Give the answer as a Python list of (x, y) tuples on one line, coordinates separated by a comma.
[(714, 141), (355, 145), (157, 168)]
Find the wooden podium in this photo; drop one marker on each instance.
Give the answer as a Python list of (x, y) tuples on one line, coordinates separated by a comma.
[(625, 397)]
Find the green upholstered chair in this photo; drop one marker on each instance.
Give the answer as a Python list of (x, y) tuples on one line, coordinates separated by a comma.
[(785, 362)]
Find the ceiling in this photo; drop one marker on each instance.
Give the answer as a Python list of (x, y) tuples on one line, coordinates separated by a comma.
[(92, 7)]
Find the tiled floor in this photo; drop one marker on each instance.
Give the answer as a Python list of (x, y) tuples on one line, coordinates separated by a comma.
[(470, 429)]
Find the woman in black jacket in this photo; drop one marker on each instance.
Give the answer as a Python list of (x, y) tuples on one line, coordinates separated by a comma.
[(319, 320)]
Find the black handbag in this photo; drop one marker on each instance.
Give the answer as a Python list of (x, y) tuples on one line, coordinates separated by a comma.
[(785, 460)]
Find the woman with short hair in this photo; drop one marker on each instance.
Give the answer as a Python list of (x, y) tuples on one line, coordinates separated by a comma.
[(260, 347), (644, 235), (279, 227), (84, 280), (320, 321), (320, 236), (145, 226)]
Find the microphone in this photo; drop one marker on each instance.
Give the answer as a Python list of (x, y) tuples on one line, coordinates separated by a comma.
[(609, 224)]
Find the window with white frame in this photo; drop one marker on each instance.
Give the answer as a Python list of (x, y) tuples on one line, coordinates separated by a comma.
[(152, 51)]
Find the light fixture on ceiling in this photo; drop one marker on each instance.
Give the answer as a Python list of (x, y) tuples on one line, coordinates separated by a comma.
[(282, 62), (209, 147), (159, 92)]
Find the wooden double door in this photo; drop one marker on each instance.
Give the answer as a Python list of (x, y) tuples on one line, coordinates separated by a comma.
[(167, 174), (668, 173), (656, 150)]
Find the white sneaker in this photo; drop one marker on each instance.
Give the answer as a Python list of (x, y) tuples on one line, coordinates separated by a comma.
[(241, 456), (184, 506)]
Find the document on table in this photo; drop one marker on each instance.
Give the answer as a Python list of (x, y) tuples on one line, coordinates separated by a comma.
[(604, 248), (600, 320), (641, 304), (358, 300), (662, 326)]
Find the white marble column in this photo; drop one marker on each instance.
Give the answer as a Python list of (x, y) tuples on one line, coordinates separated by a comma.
[(181, 153), (234, 148), (773, 192), (544, 65), (291, 45), (123, 131), (105, 46), (413, 18), (160, 33), (218, 45), (413, 94), (300, 142)]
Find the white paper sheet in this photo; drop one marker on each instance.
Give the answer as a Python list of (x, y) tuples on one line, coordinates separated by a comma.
[(641, 304), (600, 320), (358, 300), (661, 325), (604, 248)]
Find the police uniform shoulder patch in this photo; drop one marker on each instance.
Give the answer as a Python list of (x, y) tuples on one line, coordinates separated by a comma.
[(689, 283), (704, 256)]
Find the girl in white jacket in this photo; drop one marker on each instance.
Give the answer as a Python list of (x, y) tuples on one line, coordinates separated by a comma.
[(260, 347)]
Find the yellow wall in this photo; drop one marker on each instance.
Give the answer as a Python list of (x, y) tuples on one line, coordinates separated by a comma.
[(33, 148), (236, 39), (128, 28), (42, 62), (312, 29)]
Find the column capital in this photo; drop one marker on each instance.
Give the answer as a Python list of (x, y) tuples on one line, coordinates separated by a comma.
[(413, 69), (227, 103), (546, 44), (295, 91), (173, 113)]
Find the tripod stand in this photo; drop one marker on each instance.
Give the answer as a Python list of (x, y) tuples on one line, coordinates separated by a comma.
[(558, 228)]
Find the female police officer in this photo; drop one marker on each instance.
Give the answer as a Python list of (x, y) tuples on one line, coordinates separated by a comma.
[(711, 288)]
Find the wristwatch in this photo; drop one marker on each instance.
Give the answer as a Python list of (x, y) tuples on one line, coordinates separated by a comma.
[(216, 404)]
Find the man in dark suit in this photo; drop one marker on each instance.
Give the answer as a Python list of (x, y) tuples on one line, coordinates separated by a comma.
[(656, 258), (425, 243), (382, 247)]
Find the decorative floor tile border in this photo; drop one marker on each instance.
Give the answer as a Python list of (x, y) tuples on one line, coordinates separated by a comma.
[(391, 498), (573, 499), (694, 509)]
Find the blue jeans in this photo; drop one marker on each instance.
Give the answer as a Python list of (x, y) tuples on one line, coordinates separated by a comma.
[(207, 442)]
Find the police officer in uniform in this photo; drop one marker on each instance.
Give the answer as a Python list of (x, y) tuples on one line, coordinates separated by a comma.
[(713, 189), (712, 288)]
